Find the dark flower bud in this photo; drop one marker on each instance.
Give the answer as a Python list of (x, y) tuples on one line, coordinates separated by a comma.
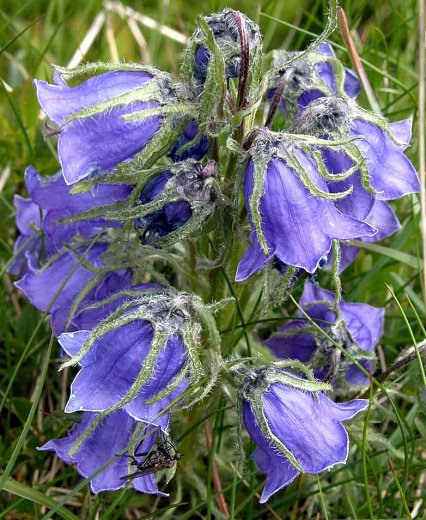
[(224, 26), (323, 117), (176, 202)]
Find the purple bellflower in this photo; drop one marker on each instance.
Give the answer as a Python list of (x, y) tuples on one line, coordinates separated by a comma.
[(71, 279), (56, 270), (313, 76), (292, 215), (114, 433), (378, 147), (295, 426), (176, 202), (40, 218), (145, 348), (358, 332), (53, 196), (98, 119)]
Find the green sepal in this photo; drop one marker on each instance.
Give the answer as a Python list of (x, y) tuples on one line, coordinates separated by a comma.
[(102, 66), (256, 403), (260, 165), (214, 88)]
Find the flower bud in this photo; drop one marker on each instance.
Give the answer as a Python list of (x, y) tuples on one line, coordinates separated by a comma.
[(176, 202), (226, 32)]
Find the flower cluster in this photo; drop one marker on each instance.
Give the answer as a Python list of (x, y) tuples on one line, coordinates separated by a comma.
[(124, 245)]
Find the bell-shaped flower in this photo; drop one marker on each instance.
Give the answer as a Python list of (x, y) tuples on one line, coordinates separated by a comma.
[(148, 347), (377, 147), (312, 76), (112, 435), (45, 219), (292, 214), (109, 119), (295, 426), (176, 202), (70, 280), (357, 331)]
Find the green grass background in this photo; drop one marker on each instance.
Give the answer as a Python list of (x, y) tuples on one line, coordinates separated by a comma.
[(386, 472)]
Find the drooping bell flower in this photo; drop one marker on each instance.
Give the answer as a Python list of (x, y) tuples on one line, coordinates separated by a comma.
[(292, 214), (69, 281), (56, 200), (101, 121), (357, 332), (295, 426), (40, 219), (176, 202), (148, 348), (226, 28), (312, 76), (385, 173), (112, 435)]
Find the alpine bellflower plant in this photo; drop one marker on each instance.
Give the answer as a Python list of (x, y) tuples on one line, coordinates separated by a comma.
[(168, 189), (356, 327)]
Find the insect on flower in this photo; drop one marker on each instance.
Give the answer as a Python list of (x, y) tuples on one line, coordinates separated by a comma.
[(163, 456)]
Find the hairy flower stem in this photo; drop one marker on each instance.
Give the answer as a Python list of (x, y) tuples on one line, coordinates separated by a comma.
[(275, 101), (245, 60)]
